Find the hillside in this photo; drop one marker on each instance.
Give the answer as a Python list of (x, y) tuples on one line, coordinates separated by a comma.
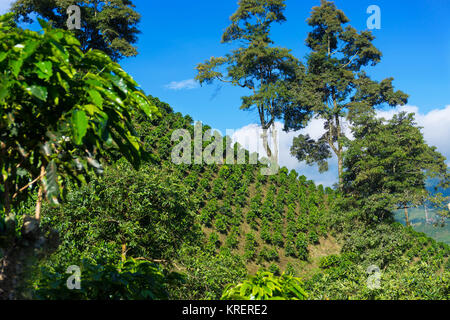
[(436, 227), (218, 223)]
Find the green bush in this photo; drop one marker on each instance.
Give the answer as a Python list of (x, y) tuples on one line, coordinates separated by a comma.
[(129, 280), (266, 286)]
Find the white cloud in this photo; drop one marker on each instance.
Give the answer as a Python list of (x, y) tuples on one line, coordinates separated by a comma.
[(436, 130), (249, 138), (5, 5), (436, 126), (182, 85)]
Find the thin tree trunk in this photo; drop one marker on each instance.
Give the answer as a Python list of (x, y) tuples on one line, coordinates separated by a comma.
[(7, 199), (40, 197), (275, 146), (339, 153), (340, 171), (38, 205), (124, 252), (407, 217), (265, 139), (6, 195)]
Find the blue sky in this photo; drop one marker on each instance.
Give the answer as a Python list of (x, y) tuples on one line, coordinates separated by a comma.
[(177, 35)]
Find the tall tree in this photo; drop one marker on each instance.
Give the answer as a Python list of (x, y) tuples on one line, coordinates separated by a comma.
[(110, 26), (336, 87), (387, 165), (271, 73)]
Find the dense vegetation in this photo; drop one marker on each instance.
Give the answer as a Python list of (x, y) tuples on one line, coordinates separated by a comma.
[(77, 131), (214, 225)]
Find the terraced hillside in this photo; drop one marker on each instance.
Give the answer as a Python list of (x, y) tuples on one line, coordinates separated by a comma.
[(218, 223)]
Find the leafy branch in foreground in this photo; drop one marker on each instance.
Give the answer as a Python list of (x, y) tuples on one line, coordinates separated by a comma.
[(266, 286), (130, 280), (61, 111)]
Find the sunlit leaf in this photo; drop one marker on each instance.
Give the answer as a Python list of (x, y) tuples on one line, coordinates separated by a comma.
[(38, 91), (96, 97), (79, 125)]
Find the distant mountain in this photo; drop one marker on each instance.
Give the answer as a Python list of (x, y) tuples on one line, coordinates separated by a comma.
[(432, 183)]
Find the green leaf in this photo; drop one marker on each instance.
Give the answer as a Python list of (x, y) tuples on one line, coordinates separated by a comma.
[(120, 84), (63, 83), (44, 24), (4, 89), (15, 66), (37, 91), (30, 47), (59, 52), (71, 40), (144, 104), (243, 289), (268, 290), (96, 97), (3, 55), (91, 109), (45, 70), (79, 125), (113, 98), (68, 70)]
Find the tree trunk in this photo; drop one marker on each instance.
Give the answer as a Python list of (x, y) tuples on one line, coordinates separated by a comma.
[(340, 171), (273, 165), (7, 194), (124, 252), (275, 146), (265, 139), (38, 205), (40, 197), (7, 200), (339, 153), (407, 217)]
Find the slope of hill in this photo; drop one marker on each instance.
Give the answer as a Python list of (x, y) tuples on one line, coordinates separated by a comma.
[(218, 223), (437, 227), (433, 228)]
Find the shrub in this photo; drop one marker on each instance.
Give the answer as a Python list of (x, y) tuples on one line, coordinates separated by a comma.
[(267, 286)]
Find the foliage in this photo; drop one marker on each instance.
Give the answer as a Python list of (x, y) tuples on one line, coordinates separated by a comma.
[(110, 26), (387, 165), (270, 73), (336, 86), (250, 246), (128, 280), (218, 223), (207, 273), (266, 286), (61, 111), (144, 213)]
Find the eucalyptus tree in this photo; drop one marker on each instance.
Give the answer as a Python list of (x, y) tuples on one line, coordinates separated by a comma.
[(336, 87), (270, 73), (110, 26)]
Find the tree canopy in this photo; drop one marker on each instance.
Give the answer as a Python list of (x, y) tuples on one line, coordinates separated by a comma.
[(336, 87), (110, 26), (387, 165), (270, 72)]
